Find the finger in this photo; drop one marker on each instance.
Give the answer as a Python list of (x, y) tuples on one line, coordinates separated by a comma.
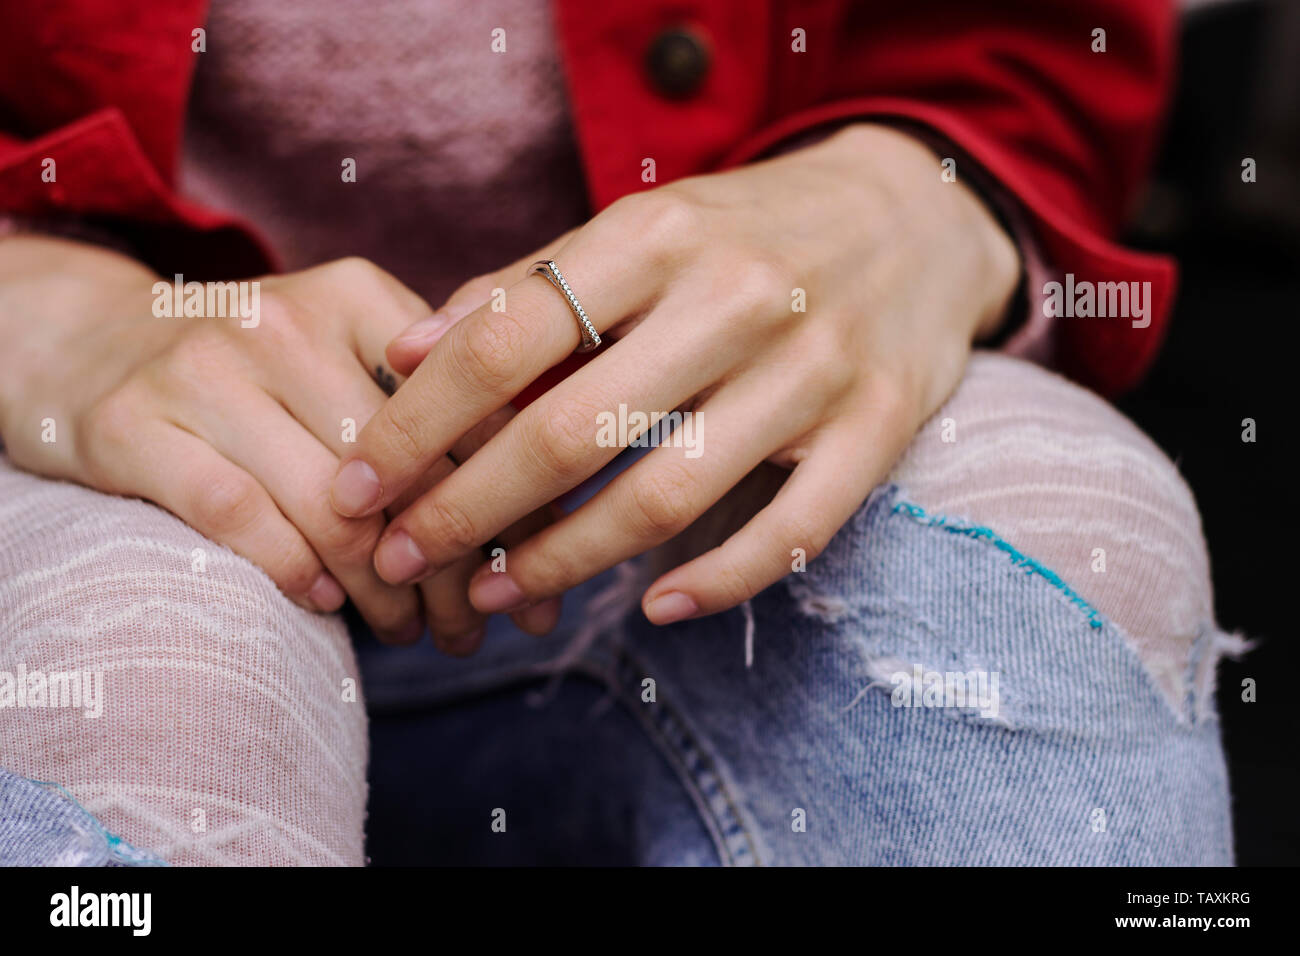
[(187, 476), (820, 496), (333, 414), (405, 353), (348, 403), (374, 329), (400, 558), (478, 366), (558, 441), (363, 306), (341, 398), (538, 617), (296, 468), (452, 621), (655, 500), (456, 627), (408, 350)]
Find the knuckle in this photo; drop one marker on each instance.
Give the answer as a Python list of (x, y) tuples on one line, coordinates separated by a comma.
[(664, 219), (450, 618), (487, 352), (892, 400), (201, 356), (733, 585), (661, 501), (349, 540), (549, 570), (761, 288), (108, 428), (295, 574), (362, 281), (402, 426), (478, 289), (227, 503), (829, 370), (387, 614), (1002, 262), (564, 442), (278, 315), (448, 528), (354, 269), (798, 532)]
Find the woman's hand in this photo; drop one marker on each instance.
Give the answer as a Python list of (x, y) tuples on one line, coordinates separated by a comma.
[(234, 425), (812, 311)]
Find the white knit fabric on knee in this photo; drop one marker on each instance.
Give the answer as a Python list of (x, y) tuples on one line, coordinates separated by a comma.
[(1069, 481), (232, 728)]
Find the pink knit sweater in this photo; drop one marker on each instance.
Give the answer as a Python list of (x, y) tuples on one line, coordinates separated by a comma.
[(464, 157)]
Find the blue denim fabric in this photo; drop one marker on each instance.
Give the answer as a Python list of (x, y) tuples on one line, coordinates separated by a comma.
[(42, 825), (804, 757)]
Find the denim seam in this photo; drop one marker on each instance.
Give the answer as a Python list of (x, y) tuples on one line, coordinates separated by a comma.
[(732, 839), (709, 792)]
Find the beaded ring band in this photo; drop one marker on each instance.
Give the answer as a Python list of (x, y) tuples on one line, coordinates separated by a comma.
[(590, 337)]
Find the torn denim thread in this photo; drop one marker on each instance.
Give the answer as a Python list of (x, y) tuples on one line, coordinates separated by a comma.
[(1078, 718), (44, 825), (1081, 726)]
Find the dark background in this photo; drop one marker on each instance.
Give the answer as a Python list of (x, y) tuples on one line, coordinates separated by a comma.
[(1231, 355)]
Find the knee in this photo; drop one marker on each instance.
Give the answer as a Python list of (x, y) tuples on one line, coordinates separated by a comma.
[(228, 724), (1068, 480)]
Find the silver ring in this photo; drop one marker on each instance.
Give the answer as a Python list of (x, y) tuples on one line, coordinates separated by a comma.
[(590, 337)]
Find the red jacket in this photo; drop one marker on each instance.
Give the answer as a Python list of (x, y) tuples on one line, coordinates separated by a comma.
[(100, 86)]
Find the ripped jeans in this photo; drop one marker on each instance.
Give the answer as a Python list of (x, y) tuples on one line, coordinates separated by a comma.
[(863, 731), (1007, 656)]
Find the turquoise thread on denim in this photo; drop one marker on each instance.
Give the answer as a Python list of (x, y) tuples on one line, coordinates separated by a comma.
[(1031, 566), (42, 824)]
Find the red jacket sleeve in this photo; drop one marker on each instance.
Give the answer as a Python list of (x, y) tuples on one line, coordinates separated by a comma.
[(1066, 129)]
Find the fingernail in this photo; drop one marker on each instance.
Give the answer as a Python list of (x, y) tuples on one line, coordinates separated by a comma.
[(326, 593), (356, 488), (408, 634), (464, 644), (398, 559), (540, 618), (671, 607), (427, 330), (495, 592)]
